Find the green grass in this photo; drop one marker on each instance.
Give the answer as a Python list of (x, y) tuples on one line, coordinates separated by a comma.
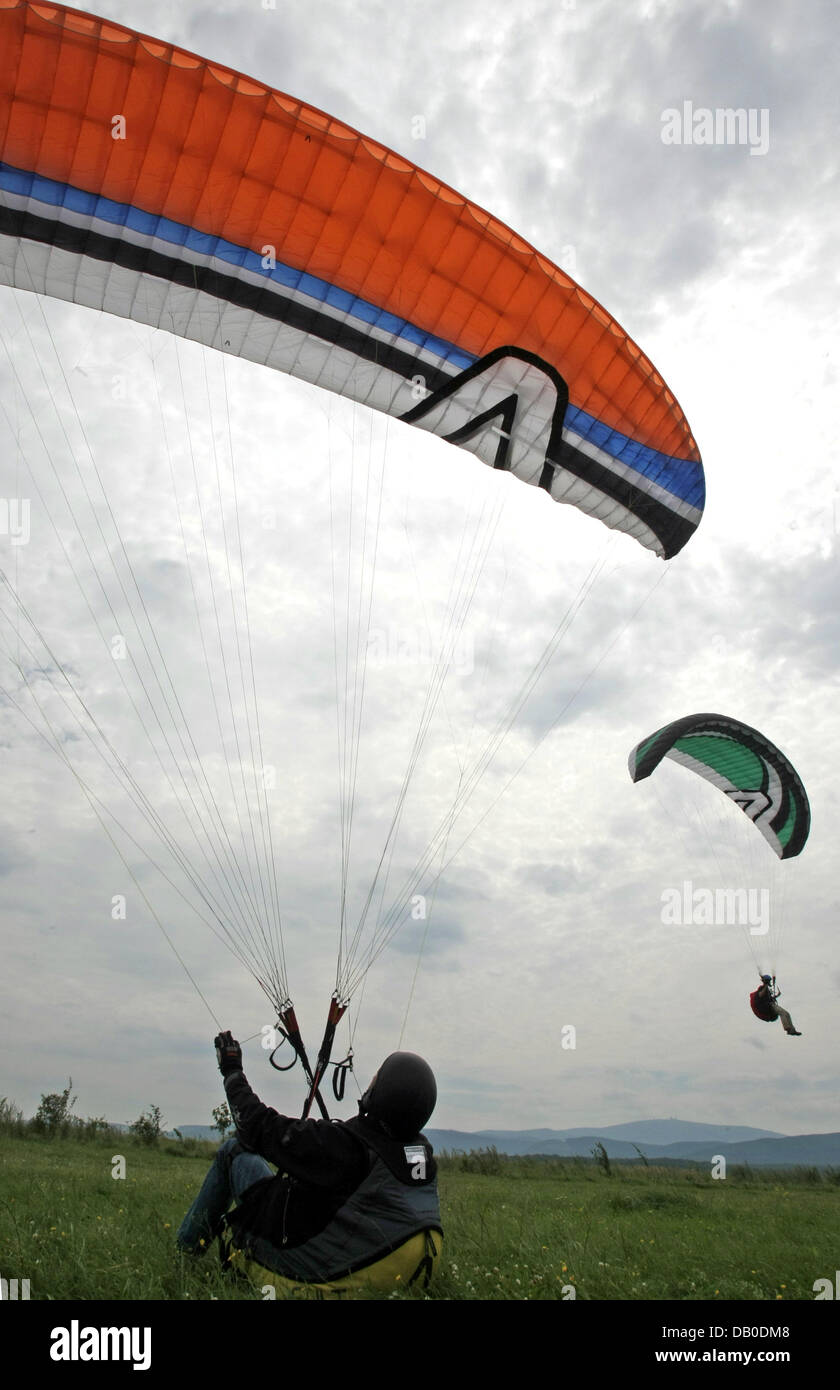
[(515, 1229)]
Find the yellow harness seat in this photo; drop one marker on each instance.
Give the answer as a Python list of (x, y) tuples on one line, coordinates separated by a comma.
[(415, 1260)]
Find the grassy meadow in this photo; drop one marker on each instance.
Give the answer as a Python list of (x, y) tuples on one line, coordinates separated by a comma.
[(515, 1229)]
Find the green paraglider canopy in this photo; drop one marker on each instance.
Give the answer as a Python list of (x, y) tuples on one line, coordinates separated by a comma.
[(746, 766)]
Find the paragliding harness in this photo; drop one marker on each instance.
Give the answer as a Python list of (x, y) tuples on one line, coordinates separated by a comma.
[(398, 1260), (290, 1032), (414, 1262), (763, 1008), (386, 1233)]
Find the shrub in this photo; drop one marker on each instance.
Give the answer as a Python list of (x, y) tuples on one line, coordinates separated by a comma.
[(53, 1114), (223, 1120), (147, 1126), (601, 1157), (93, 1127), (11, 1118)]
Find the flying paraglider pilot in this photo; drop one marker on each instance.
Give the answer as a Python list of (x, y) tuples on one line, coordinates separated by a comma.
[(348, 1196), (763, 1002)]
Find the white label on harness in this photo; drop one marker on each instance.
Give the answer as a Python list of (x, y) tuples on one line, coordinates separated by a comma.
[(415, 1157)]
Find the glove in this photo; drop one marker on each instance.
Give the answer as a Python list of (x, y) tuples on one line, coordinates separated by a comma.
[(228, 1053)]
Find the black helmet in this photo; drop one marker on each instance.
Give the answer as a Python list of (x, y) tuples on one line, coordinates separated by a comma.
[(401, 1095)]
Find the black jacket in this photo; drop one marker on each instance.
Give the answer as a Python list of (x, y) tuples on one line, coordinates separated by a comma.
[(320, 1166)]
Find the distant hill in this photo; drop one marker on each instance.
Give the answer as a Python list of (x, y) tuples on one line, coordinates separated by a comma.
[(761, 1148), (641, 1132), (674, 1132), (810, 1150), (195, 1132), (672, 1139)]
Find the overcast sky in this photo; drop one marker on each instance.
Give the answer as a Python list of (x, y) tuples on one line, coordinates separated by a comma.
[(720, 261)]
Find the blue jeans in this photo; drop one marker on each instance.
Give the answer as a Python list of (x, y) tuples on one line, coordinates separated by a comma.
[(233, 1171)]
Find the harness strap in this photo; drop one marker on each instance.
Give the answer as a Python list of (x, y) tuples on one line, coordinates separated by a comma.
[(336, 1012), (427, 1262)]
